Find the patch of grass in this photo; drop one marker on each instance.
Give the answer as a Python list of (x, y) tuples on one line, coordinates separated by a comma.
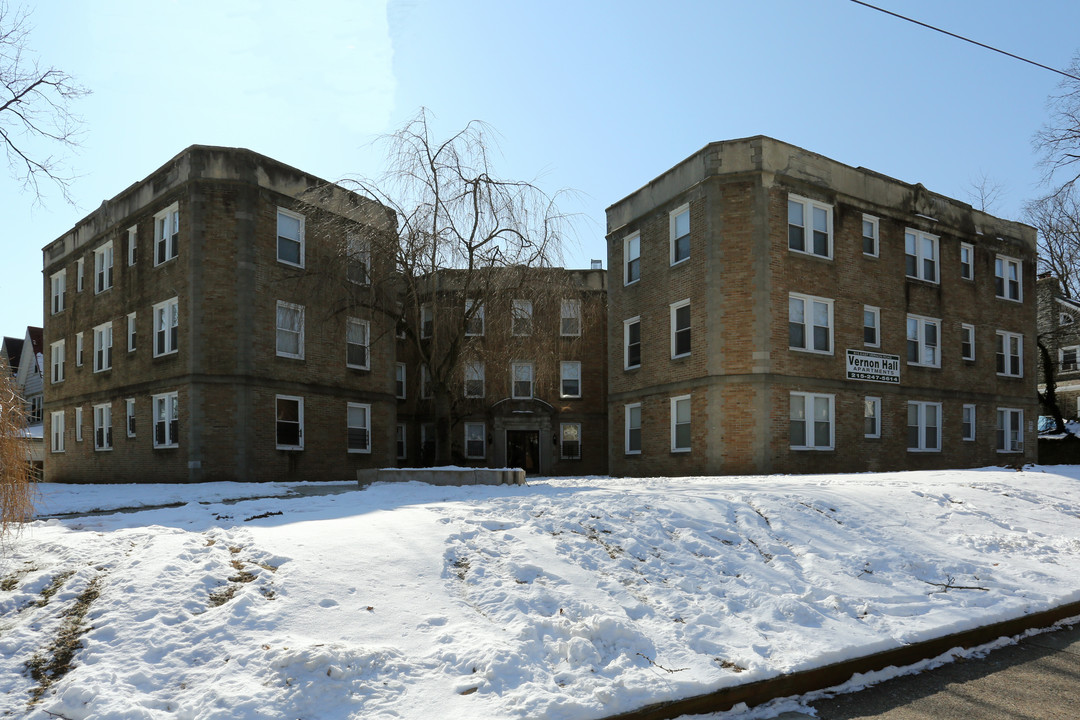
[(222, 595), (56, 661), (11, 580), (54, 587)]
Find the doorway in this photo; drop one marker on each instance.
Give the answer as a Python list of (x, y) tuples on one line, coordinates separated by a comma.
[(523, 450)]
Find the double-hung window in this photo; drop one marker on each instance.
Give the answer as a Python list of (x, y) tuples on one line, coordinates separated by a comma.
[(924, 426), (166, 327), (358, 259), (632, 258), (131, 332), (425, 383), (78, 424), (680, 424), (922, 341), (290, 330), (967, 261), (166, 417), (474, 318), (427, 320), (521, 317), (570, 379), (680, 329), (920, 255), (871, 326), (809, 226), (357, 334), (57, 282), (967, 423), (870, 235), (570, 318), (632, 343), (290, 237), (358, 427), (103, 427), (56, 420), (1010, 354), (103, 347), (401, 442), (1067, 358), (475, 445), (474, 379), (1010, 430), (1007, 278), (679, 230), (129, 413), (967, 341), (810, 323), (103, 268), (633, 429), (80, 274), (56, 358), (166, 231), (289, 430), (570, 441), (872, 417), (522, 374), (78, 349), (811, 421), (399, 380), (132, 244)]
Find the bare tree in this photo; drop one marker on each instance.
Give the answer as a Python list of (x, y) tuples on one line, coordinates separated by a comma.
[(16, 487), (35, 112), (1058, 141), (984, 192), (1057, 219)]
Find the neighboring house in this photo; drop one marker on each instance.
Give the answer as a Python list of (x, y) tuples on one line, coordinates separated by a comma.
[(188, 337), (1059, 332), (11, 353), (25, 359), (772, 310)]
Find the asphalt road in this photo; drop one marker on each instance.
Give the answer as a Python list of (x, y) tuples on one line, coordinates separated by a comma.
[(1036, 679)]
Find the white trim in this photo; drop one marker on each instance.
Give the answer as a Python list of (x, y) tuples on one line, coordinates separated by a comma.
[(974, 415), (807, 302), (970, 328), (563, 378), (875, 403), (56, 431), (970, 265), (627, 408), (298, 241), (921, 324), (922, 425), (400, 381), (129, 416), (103, 425), (365, 426), (562, 441), (165, 405), (521, 311), (481, 376), (808, 420), (672, 314), (165, 324), (808, 208), (103, 344), (103, 267), (1004, 338), (483, 440), (626, 343), (1008, 433), (1004, 263), (299, 332), (575, 315), (674, 418), (365, 328), (299, 422), (672, 216), (876, 313), (919, 239), (514, 381), (166, 230), (875, 234), (627, 259)]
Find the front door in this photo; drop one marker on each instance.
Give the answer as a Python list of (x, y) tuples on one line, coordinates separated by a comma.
[(523, 450)]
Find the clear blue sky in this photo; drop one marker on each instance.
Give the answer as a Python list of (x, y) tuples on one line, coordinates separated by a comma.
[(599, 97)]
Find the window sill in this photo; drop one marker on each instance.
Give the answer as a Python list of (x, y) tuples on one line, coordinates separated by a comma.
[(920, 365), (811, 449), (676, 263), (807, 254), (821, 353), (922, 281)]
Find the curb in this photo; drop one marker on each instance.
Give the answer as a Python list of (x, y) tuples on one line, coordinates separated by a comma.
[(799, 683)]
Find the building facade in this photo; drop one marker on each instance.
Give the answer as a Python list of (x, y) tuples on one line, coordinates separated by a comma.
[(772, 310), (1059, 333), (187, 335)]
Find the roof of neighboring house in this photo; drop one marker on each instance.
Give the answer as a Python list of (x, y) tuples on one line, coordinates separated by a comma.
[(13, 349), (37, 339)]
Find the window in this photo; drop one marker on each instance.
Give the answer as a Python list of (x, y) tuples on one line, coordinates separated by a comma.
[(1068, 356), (474, 318), (166, 230), (1010, 430), (57, 282), (166, 326), (129, 412), (810, 323), (1065, 319), (166, 420), (290, 422), (131, 332), (290, 330), (680, 329), (427, 321), (811, 418), (103, 268), (870, 235), (809, 226), (631, 343), (400, 439), (358, 259), (967, 341), (359, 428), (570, 441), (924, 426), (425, 383), (290, 238), (921, 255), (679, 222), (680, 424), (521, 318), (78, 424), (571, 318), (570, 374), (1010, 353), (922, 341), (474, 440), (633, 428), (57, 422), (967, 424), (103, 427), (1007, 278), (522, 374), (632, 255), (34, 408), (872, 417), (132, 244), (78, 349), (56, 355), (474, 379), (399, 380), (357, 333), (871, 326), (967, 261), (103, 347), (80, 266), (429, 442)]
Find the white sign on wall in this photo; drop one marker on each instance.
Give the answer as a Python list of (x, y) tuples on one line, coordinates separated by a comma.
[(873, 367)]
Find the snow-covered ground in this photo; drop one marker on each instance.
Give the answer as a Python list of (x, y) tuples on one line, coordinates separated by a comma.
[(568, 598)]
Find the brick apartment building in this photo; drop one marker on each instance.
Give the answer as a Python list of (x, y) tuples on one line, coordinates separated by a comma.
[(772, 310), (1059, 331), (186, 339)]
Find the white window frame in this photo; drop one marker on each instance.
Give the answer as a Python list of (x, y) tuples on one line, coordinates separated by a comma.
[(357, 259), (299, 422), (483, 440), (676, 331), (631, 244), (628, 415), (1074, 351), (921, 423), (400, 380), (56, 422), (103, 427), (808, 207), (1065, 319), (166, 230), (57, 285), (921, 324), (1010, 430), (474, 371), (165, 413), (78, 424), (298, 241), (1007, 290), (360, 332), (676, 402), (969, 330), (427, 321), (56, 362), (964, 420), (563, 455), (570, 318), (80, 274), (132, 244), (166, 327), (872, 409), (514, 380), (298, 311), (129, 417), (575, 367), (626, 342), (807, 302), (103, 268), (131, 332), (78, 349), (809, 420), (521, 318), (401, 441), (875, 234), (1010, 364), (103, 344), (425, 383), (673, 242), (875, 313), (920, 239), (364, 409), (967, 261), (477, 318)]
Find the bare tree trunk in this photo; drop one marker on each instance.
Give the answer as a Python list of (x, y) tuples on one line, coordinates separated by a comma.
[(1049, 397)]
